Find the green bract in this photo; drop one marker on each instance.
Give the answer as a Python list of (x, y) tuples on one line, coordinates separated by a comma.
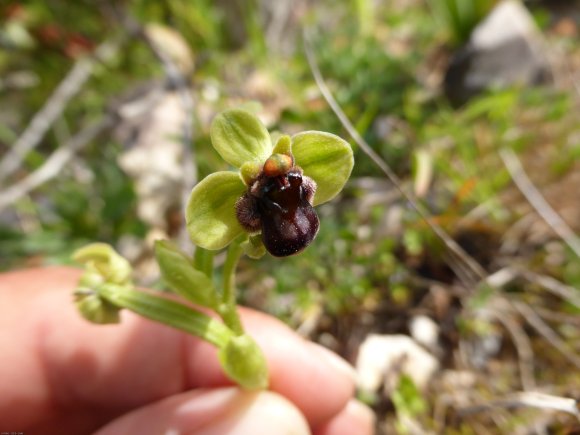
[(185, 280), (243, 141)]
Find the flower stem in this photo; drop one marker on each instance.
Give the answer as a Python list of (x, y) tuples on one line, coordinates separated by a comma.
[(227, 309), (203, 260), (167, 311)]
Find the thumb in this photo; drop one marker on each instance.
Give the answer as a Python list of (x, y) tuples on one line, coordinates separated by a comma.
[(213, 412)]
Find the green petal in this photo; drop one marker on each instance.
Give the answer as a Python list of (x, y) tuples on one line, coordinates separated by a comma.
[(325, 158), (210, 214), (283, 145), (239, 137)]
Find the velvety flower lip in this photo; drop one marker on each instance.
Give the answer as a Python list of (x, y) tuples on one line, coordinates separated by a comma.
[(244, 142)]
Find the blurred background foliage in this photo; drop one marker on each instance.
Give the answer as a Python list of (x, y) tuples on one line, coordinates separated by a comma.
[(375, 263)]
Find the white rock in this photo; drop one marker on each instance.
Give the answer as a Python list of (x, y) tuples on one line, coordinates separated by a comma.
[(509, 19), (383, 358), (505, 49), (425, 331)]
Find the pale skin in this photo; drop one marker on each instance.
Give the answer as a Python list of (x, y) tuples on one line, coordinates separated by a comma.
[(60, 374)]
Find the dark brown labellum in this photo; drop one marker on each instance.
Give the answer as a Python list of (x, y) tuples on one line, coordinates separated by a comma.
[(281, 207), (289, 222)]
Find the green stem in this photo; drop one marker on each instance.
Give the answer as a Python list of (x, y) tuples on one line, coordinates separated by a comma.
[(227, 309), (169, 312), (203, 260)]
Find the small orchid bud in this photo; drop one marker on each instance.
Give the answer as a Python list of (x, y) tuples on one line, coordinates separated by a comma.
[(102, 259), (244, 362), (94, 308)]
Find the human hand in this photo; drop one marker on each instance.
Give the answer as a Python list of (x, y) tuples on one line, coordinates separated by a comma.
[(60, 374)]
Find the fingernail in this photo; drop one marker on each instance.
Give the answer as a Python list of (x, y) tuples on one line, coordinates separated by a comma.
[(335, 361)]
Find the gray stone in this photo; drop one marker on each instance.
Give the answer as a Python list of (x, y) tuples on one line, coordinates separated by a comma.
[(505, 49)]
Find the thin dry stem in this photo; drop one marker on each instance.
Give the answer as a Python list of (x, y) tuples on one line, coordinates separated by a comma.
[(536, 322), (526, 399), (535, 198), (523, 347), (53, 108), (54, 164), (569, 294)]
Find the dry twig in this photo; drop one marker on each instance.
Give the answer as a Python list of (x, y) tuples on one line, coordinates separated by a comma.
[(53, 108), (537, 201), (554, 286), (55, 163), (536, 322), (523, 347), (558, 317), (508, 274), (527, 399)]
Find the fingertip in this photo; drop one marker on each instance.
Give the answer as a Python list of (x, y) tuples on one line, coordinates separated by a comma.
[(214, 412), (317, 381), (342, 368), (355, 418)]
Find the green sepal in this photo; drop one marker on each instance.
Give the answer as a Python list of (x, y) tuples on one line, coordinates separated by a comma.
[(103, 259), (239, 136), (180, 275), (243, 361), (210, 214), (325, 158)]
